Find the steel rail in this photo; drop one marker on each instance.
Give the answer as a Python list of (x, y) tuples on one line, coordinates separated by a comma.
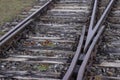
[(92, 20), (74, 61), (94, 39), (93, 31), (70, 70), (23, 24), (89, 52)]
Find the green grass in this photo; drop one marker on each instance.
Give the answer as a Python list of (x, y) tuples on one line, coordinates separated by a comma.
[(10, 8)]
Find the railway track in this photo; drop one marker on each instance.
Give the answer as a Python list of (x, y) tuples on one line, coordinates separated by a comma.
[(44, 45), (64, 40), (19, 18), (104, 63)]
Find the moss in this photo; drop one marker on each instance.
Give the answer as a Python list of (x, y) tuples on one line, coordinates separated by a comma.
[(1, 33), (42, 67)]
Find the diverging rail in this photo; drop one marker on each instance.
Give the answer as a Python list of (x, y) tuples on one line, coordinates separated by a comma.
[(54, 22), (93, 36), (47, 44)]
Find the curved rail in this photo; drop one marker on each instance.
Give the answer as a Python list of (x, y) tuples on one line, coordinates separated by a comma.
[(76, 56), (92, 22), (93, 31), (92, 36), (22, 24), (87, 56), (95, 39)]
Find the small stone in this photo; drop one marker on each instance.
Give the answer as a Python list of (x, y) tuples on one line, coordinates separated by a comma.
[(98, 77), (13, 67), (118, 75), (2, 66), (109, 73), (93, 69)]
